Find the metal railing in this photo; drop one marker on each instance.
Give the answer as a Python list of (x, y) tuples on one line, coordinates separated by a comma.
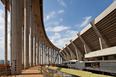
[(5, 70)]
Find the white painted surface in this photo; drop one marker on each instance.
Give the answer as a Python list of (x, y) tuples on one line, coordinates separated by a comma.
[(104, 52)]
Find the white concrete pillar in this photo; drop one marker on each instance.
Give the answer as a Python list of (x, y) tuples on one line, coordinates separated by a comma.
[(45, 58), (55, 56), (42, 53), (31, 34), (26, 34), (16, 36), (48, 55), (23, 45), (34, 50), (40, 45), (34, 41), (5, 42), (51, 56), (10, 32), (37, 50)]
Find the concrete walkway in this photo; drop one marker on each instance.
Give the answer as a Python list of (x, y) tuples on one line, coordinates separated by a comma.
[(31, 72)]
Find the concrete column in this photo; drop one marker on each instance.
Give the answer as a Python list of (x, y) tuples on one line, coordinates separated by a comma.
[(64, 55), (26, 34), (48, 56), (44, 58), (10, 32), (71, 52), (56, 59), (34, 41), (5, 57), (34, 49), (45, 54), (39, 48), (51, 55), (104, 43), (68, 55), (23, 45), (86, 46), (16, 36), (42, 53), (78, 54), (59, 59), (31, 34), (55, 56), (37, 51)]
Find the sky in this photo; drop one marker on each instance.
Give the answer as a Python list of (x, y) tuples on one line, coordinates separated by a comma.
[(63, 19)]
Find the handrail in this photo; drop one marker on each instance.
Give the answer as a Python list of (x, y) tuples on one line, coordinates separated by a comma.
[(5, 70)]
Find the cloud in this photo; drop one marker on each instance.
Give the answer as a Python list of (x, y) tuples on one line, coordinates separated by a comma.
[(85, 22), (60, 39), (1, 22), (61, 11), (50, 15), (57, 28), (52, 23), (2, 34), (61, 19), (62, 3), (55, 37), (71, 33), (61, 42)]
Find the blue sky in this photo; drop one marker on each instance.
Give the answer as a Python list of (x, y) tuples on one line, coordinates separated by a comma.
[(63, 19)]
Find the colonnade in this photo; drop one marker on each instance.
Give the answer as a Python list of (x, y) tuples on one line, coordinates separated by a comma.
[(28, 45)]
